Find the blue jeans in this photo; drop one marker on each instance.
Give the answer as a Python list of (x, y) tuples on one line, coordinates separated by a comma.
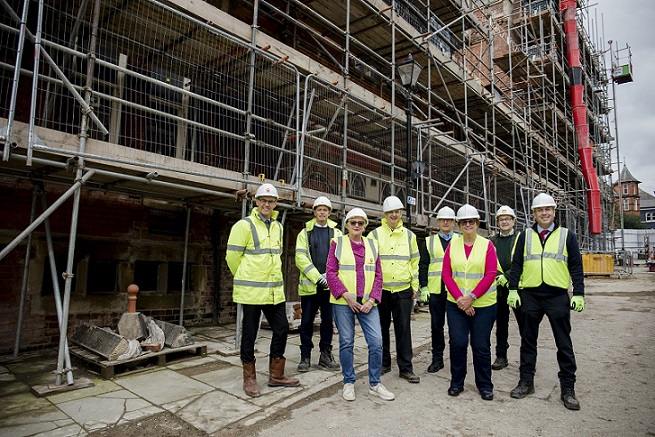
[(344, 318), (479, 327)]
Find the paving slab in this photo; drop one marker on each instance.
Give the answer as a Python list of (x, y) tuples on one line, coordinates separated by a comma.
[(163, 386), (107, 409), (215, 410)]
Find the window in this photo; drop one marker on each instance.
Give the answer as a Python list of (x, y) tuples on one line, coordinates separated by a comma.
[(357, 186), (146, 275), (101, 276), (650, 216), (626, 204), (625, 188)]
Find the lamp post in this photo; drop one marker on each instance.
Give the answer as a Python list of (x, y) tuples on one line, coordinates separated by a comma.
[(409, 71)]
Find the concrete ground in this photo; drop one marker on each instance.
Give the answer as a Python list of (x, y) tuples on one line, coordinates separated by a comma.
[(203, 395)]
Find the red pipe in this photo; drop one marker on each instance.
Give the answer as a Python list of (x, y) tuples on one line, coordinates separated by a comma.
[(568, 8)]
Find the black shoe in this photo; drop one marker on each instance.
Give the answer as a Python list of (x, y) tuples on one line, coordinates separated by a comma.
[(487, 395), (385, 369), (410, 377), (569, 399), (435, 366), (304, 365), (327, 362), (500, 363), (455, 391), (522, 390)]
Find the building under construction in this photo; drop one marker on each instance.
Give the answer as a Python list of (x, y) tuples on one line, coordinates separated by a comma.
[(135, 132)]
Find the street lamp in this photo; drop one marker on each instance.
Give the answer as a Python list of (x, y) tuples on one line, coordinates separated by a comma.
[(409, 71)]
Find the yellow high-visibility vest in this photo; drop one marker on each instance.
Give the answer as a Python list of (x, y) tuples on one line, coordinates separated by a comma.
[(546, 264), (347, 273), (467, 273), (436, 252)]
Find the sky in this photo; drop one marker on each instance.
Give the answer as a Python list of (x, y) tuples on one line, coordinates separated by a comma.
[(631, 23)]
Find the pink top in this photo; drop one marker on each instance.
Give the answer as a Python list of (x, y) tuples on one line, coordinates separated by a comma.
[(332, 270), (490, 270)]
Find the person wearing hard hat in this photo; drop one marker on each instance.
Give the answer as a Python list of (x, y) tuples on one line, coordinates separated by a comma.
[(504, 242), (354, 276), (546, 260), (469, 273), (312, 247), (254, 250), (433, 290), (400, 258)]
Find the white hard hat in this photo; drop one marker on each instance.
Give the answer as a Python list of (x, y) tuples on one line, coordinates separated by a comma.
[(505, 210), (265, 190), (446, 213), (357, 212), (392, 203), (467, 212), (322, 201), (543, 199)]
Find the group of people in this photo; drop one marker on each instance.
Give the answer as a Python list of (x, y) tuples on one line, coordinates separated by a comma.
[(466, 279)]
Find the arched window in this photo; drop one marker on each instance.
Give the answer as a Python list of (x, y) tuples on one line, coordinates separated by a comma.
[(357, 186)]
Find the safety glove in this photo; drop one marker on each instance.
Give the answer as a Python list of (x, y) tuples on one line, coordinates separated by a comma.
[(501, 280), (322, 281), (577, 303), (425, 294), (513, 299)]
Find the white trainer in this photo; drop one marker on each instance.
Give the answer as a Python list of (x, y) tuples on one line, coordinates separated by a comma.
[(381, 392), (348, 392)]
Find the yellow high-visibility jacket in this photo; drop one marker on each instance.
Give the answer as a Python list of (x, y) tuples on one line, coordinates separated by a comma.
[(254, 258), (309, 274), (399, 256)]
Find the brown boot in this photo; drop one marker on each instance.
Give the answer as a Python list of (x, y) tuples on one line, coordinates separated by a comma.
[(250, 380), (277, 378)]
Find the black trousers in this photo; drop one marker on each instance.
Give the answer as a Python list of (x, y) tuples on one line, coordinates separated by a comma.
[(556, 307), (502, 322), (437, 321), (277, 319), (310, 306), (399, 305)]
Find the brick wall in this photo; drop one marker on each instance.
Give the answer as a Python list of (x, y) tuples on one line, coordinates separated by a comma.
[(127, 231)]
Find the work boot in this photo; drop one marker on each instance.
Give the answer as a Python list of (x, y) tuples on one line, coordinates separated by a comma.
[(304, 364), (326, 361), (522, 390), (250, 380), (435, 366), (500, 363), (569, 399), (276, 376)]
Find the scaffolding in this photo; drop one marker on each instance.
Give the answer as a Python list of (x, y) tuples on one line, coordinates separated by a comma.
[(196, 103)]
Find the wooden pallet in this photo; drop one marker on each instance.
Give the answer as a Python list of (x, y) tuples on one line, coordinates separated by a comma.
[(110, 369)]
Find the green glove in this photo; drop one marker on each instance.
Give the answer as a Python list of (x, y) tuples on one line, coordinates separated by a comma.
[(425, 294), (577, 303), (501, 280), (513, 299)]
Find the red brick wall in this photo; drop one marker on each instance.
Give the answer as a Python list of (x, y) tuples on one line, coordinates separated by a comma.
[(114, 227)]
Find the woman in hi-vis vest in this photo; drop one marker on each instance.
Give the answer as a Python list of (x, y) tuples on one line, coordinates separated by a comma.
[(354, 276), (469, 273)]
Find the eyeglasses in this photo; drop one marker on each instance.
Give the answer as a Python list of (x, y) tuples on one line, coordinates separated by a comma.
[(267, 202), (467, 222), (505, 219), (354, 223)]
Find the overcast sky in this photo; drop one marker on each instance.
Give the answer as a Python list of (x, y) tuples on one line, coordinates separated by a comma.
[(632, 22)]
